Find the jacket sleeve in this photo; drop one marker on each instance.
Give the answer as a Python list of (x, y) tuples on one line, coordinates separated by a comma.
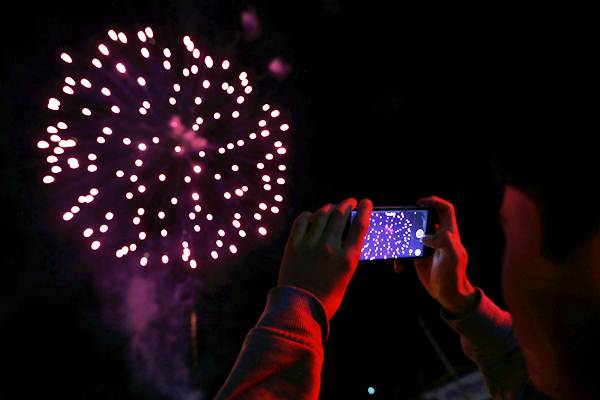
[(487, 338), (282, 356)]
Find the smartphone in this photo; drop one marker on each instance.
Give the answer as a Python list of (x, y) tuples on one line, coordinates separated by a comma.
[(397, 232)]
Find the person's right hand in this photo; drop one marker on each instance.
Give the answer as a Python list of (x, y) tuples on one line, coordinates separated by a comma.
[(444, 275)]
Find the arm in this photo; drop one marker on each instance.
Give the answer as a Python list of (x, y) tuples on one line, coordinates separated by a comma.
[(486, 331), (282, 355), (487, 338)]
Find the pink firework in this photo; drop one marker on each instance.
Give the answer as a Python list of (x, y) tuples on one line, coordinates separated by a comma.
[(159, 153)]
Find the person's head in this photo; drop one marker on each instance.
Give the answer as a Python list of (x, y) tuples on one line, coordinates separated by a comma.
[(551, 266)]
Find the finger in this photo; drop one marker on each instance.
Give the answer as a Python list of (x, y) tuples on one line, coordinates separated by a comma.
[(299, 228), (337, 221), (445, 210), (360, 226), (319, 221), (441, 240)]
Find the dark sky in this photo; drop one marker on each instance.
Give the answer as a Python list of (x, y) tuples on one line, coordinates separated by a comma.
[(390, 103)]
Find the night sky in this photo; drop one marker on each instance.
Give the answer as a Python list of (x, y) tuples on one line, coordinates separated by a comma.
[(388, 102)]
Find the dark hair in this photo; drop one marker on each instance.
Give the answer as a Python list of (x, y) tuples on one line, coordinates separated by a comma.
[(562, 178)]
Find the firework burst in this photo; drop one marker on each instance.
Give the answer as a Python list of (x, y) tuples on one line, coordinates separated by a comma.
[(158, 152)]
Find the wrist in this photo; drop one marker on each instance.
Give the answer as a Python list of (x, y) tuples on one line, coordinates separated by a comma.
[(461, 302)]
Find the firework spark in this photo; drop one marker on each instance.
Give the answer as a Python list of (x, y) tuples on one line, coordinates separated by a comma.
[(159, 152)]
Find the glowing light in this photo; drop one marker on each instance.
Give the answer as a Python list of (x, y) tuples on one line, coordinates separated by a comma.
[(275, 113), (214, 254), (217, 115), (144, 261), (48, 179), (208, 61), (205, 84), (167, 52), (105, 91), (284, 127), (42, 144), (96, 63), (225, 64), (86, 83), (103, 49), (149, 32), (262, 230), (121, 68), (235, 114), (172, 101), (66, 58), (115, 109), (198, 100), (95, 245), (52, 159), (194, 69), (142, 36), (141, 81), (227, 195), (196, 53), (86, 112), (122, 37), (113, 35), (176, 87), (240, 99), (242, 233), (165, 259), (233, 249), (53, 104)]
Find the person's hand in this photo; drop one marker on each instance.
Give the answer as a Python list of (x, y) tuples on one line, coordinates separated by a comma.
[(316, 258), (444, 274)]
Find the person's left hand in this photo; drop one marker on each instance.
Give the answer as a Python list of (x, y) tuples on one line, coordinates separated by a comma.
[(316, 258)]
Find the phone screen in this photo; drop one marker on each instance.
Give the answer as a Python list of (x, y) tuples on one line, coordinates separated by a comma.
[(394, 233)]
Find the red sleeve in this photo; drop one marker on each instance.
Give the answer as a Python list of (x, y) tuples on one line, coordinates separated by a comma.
[(282, 355)]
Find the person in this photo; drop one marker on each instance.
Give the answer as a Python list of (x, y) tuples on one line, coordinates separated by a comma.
[(546, 346)]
